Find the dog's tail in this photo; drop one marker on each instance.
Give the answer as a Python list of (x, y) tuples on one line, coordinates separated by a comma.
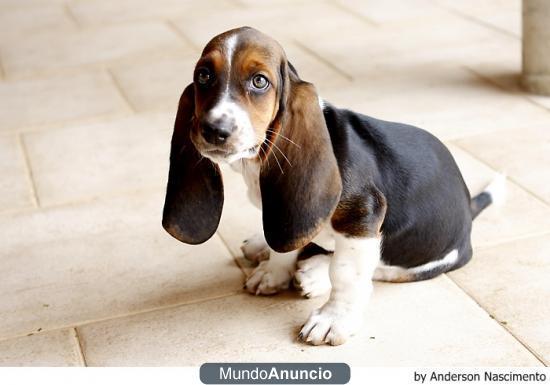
[(494, 193)]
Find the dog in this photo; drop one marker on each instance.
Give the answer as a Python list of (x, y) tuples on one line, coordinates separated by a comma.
[(345, 198)]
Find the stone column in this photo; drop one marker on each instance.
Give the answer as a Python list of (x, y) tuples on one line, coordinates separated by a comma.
[(536, 46)]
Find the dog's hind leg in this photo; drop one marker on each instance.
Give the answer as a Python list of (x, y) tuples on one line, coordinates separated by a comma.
[(311, 277)]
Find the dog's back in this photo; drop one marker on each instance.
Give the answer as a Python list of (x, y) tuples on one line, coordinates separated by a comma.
[(428, 215)]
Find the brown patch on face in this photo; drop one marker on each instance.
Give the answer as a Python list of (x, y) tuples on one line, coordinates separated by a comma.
[(261, 106), (205, 98)]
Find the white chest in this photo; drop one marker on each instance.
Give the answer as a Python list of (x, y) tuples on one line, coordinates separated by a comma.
[(250, 170)]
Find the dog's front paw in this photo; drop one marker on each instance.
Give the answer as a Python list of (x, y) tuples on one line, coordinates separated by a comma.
[(331, 324), (268, 278), (311, 277), (255, 248)]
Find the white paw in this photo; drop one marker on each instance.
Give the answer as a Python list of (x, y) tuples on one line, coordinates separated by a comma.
[(268, 278), (311, 277), (255, 248), (331, 324)]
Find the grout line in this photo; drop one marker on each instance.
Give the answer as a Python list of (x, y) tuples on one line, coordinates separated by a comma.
[(140, 57), (510, 178), (505, 327), (526, 189), (147, 190), (71, 16), (123, 113), (30, 178), (78, 343), (130, 314), (120, 91), (182, 36), (326, 62), (234, 257), (520, 92), (476, 20), (359, 16)]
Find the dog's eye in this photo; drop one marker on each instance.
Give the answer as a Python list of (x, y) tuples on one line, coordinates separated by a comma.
[(260, 82), (203, 76)]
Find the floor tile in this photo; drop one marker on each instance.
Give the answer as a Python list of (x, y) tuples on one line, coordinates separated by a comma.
[(55, 348), (392, 44), (83, 161), (104, 11), (523, 154), (507, 19), (20, 21), (8, 4), (157, 82), (57, 99), (73, 264), (511, 282), (393, 10), (298, 19), (520, 216), (264, 329), (313, 69), (54, 52), (15, 189)]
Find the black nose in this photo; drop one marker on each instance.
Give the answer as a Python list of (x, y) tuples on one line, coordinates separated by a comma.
[(214, 133)]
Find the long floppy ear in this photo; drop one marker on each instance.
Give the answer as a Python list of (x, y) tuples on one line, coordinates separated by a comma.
[(299, 179), (194, 195)]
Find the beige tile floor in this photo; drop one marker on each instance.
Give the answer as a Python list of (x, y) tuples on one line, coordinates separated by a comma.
[(88, 90)]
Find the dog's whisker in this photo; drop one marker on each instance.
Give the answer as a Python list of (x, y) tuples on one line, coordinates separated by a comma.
[(282, 153), (274, 145), (284, 137), (265, 154), (274, 155), (261, 148), (277, 160)]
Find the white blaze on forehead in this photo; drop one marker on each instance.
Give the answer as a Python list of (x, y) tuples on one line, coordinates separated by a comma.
[(227, 108), (230, 44)]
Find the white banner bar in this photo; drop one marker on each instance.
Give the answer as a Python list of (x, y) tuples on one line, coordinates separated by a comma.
[(190, 375)]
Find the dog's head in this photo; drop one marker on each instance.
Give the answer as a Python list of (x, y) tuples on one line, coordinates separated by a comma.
[(247, 101)]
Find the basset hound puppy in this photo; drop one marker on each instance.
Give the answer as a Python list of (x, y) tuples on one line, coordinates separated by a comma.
[(345, 198)]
